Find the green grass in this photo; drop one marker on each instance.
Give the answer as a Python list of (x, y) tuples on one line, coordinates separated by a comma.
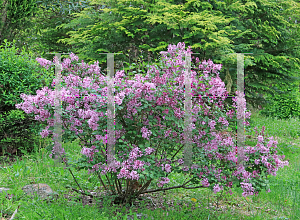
[(281, 203)]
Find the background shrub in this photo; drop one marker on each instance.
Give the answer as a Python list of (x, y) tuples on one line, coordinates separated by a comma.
[(19, 73), (283, 106)]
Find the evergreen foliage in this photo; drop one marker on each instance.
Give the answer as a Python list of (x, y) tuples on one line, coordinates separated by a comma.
[(44, 33), (13, 17), (212, 28)]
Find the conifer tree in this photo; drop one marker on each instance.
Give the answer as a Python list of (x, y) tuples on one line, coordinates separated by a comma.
[(139, 29), (12, 17)]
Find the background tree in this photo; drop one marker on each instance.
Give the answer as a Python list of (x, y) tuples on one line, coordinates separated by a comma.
[(212, 28), (139, 29), (133, 26), (43, 35), (272, 35), (13, 17)]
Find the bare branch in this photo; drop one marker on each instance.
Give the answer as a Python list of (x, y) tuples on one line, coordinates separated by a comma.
[(173, 187), (75, 180), (79, 191)]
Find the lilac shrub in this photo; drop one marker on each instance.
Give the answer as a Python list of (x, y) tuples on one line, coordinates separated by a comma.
[(149, 124)]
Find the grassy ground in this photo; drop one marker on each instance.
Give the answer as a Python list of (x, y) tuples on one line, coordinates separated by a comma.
[(281, 203)]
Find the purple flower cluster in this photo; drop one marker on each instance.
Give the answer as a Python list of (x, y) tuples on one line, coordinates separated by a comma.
[(43, 62), (217, 149), (130, 168), (241, 107), (89, 152), (163, 181), (217, 188)]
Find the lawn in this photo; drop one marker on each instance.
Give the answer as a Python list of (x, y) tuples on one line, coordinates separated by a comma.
[(281, 203)]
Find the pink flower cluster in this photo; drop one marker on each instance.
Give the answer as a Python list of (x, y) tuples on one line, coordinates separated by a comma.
[(241, 107), (217, 188), (130, 168), (217, 149), (89, 152), (43, 62), (163, 181)]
